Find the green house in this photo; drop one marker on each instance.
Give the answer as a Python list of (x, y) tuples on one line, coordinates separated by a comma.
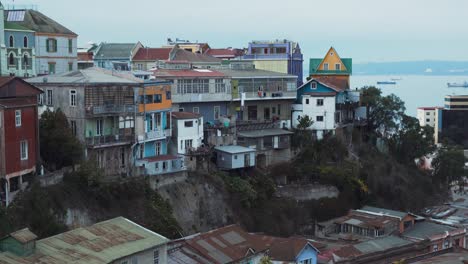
[(21, 243)]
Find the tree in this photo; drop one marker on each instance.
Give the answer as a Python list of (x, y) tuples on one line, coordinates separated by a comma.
[(265, 260), (411, 141), (449, 166), (384, 113), (302, 135), (59, 147)]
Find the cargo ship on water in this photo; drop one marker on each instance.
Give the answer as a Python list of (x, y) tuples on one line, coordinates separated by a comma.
[(453, 85)]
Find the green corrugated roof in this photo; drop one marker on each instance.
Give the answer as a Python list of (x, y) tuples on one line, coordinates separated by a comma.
[(15, 26), (100, 243), (315, 62)]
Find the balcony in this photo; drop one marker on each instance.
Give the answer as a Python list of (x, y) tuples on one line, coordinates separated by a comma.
[(158, 134), (162, 164), (109, 140), (282, 56), (259, 95), (110, 109)]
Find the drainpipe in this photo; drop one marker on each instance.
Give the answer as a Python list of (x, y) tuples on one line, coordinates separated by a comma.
[(7, 191)]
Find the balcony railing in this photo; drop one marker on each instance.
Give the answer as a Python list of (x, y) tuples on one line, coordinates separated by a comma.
[(265, 56), (157, 134), (110, 109), (108, 140), (268, 95), (161, 164)]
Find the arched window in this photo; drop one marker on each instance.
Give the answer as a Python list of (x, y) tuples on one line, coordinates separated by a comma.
[(12, 41), (25, 41), (11, 59), (26, 60)]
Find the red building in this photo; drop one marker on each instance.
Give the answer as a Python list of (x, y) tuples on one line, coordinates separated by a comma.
[(19, 133)]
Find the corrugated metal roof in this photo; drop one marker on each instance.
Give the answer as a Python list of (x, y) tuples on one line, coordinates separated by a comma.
[(23, 235), (100, 243), (115, 50), (384, 211), (89, 75), (35, 20), (234, 149), (424, 230), (381, 244)]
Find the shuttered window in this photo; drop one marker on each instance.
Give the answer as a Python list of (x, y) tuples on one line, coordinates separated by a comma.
[(51, 45)]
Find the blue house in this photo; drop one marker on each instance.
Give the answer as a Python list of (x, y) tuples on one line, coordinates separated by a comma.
[(300, 251), (116, 56)]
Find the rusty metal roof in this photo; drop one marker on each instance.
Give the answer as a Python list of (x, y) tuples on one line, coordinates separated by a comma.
[(23, 235), (100, 243)]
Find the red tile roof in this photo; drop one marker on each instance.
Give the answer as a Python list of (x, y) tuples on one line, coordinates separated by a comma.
[(336, 83), (187, 73), (152, 54), (347, 252), (185, 115)]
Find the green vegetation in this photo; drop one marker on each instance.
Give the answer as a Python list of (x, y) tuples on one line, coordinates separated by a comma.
[(59, 147), (44, 209), (449, 167)]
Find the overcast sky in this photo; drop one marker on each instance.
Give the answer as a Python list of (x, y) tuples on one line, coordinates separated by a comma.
[(366, 30)]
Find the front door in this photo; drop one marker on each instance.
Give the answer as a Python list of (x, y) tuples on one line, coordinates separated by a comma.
[(266, 113), (247, 160)]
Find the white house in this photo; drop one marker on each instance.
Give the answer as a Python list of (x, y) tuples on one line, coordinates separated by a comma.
[(329, 106), (187, 131), (427, 116)]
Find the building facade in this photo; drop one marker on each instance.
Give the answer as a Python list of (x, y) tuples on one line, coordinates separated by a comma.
[(19, 134), (145, 58), (154, 130), (187, 131), (55, 45), (116, 56), (283, 56), (451, 122), (100, 107)]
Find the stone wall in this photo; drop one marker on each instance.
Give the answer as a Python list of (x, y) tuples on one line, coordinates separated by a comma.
[(307, 192)]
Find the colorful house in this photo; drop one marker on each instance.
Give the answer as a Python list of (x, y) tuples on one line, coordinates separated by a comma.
[(154, 129), (19, 134), (326, 97), (283, 56), (116, 56)]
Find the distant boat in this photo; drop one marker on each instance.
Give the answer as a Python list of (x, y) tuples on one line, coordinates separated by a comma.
[(428, 70), (465, 84), (395, 78), (386, 82)]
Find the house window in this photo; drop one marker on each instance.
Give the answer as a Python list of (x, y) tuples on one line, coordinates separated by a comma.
[(279, 109), (100, 159), (25, 60), (72, 97), (49, 97), (11, 59), (338, 67), (164, 165), (70, 45), (40, 100), (428, 120), (325, 66), (235, 157), (156, 257), (435, 247), (188, 123), (158, 148), (331, 53), (188, 143), (220, 87), (313, 85), (168, 95), (156, 166), (319, 118), (157, 98), (70, 66), (181, 109), (273, 110), (142, 151), (25, 42), (157, 118), (217, 112), (319, 102), (11, 42), (446, 243), (252, 112), (196, 110), (73, 127), (307, 101), (51, 45), (140, 66), (51, 67), (427, 113), (24, 149), (99, 127), (18, 118)]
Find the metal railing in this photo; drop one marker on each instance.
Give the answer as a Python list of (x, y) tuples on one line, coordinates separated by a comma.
[(157, 134), (265, 56), (111, 109), (109, 139)]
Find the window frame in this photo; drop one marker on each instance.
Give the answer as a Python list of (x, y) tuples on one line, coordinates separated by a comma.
[(188, 123), (313, 85), (25, 42), (99, 127), (18, 118), (11, 41), (72, 97), (319, 117), (51, 45), (49, 97), (326, 66), (337, 66), (214, 112), (70, 45), (24, 148), (320, 102)]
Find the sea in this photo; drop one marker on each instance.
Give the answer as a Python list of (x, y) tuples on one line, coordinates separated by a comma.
[(415, 90)]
